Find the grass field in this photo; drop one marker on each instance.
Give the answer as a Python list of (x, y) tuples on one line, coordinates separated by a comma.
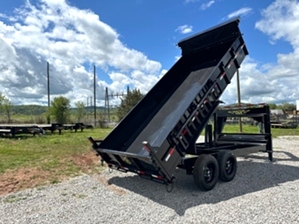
[(253, 129), (46, 159), (34, 161), (47, 151)]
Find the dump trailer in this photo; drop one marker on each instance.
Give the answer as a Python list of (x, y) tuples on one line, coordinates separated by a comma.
[(159, 134)]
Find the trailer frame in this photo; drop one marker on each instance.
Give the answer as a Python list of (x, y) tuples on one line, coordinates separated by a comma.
[(160, 133)]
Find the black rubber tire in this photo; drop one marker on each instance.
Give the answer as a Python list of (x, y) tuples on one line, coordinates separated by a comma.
[(205, 172), (227, 166)]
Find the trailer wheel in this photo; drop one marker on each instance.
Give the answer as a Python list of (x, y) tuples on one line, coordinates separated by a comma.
[(227, 166), (205, 172)]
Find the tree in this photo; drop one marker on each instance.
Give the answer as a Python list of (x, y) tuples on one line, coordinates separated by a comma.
[(60, 109), (287, 106), (80, 110), (272, 105), (128, 102), (1, 98), (5, 106)]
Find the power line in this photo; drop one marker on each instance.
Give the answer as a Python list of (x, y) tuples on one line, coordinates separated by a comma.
[(107, 103)]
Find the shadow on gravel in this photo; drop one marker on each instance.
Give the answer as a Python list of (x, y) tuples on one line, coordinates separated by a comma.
[(252, 176)]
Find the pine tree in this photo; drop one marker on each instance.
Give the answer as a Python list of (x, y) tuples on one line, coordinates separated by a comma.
[(128, 102)]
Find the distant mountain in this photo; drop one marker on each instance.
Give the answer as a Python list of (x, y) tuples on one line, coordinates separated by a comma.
[(29, 109), (90, 109)]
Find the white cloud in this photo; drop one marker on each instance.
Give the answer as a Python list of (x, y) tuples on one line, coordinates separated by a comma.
[(119, 80), (277, 82), (142, 82), (281, 21), (184, 29), (3, 16), (176, 58), (69, 38), (255, 85), (190, 1), (73, 40), (240, 12), (207, 5)]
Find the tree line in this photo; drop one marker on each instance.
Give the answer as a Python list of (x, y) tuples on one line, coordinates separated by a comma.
[(60, 109), (283, 106)]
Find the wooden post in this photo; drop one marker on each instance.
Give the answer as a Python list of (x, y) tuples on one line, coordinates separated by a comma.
[(48, 83), (94, 97), (239, 100)]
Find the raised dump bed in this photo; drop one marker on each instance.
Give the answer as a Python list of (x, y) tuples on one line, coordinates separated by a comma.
[(164, 126)]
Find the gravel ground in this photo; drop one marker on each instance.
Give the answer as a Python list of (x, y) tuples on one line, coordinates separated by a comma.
[(262, 192)]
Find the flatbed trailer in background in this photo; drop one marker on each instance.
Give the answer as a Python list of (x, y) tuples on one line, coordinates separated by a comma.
[(159, 134), (16, 129)]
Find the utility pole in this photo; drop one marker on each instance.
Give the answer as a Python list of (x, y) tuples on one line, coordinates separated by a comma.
[(94, 95), (48, 83), (239, 99), (107, 106)]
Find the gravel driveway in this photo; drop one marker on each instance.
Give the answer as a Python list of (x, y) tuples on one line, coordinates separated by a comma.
[(262, 192)]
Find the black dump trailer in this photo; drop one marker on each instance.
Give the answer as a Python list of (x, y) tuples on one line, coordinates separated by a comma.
[(159, 134)]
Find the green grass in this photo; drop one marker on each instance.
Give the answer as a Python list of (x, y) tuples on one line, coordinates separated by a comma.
[(54, 153), (254, 129), (48, 159), (51, 153), (14, 198)]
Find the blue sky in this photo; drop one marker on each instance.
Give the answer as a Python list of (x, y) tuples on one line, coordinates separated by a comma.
[(134, 43)]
